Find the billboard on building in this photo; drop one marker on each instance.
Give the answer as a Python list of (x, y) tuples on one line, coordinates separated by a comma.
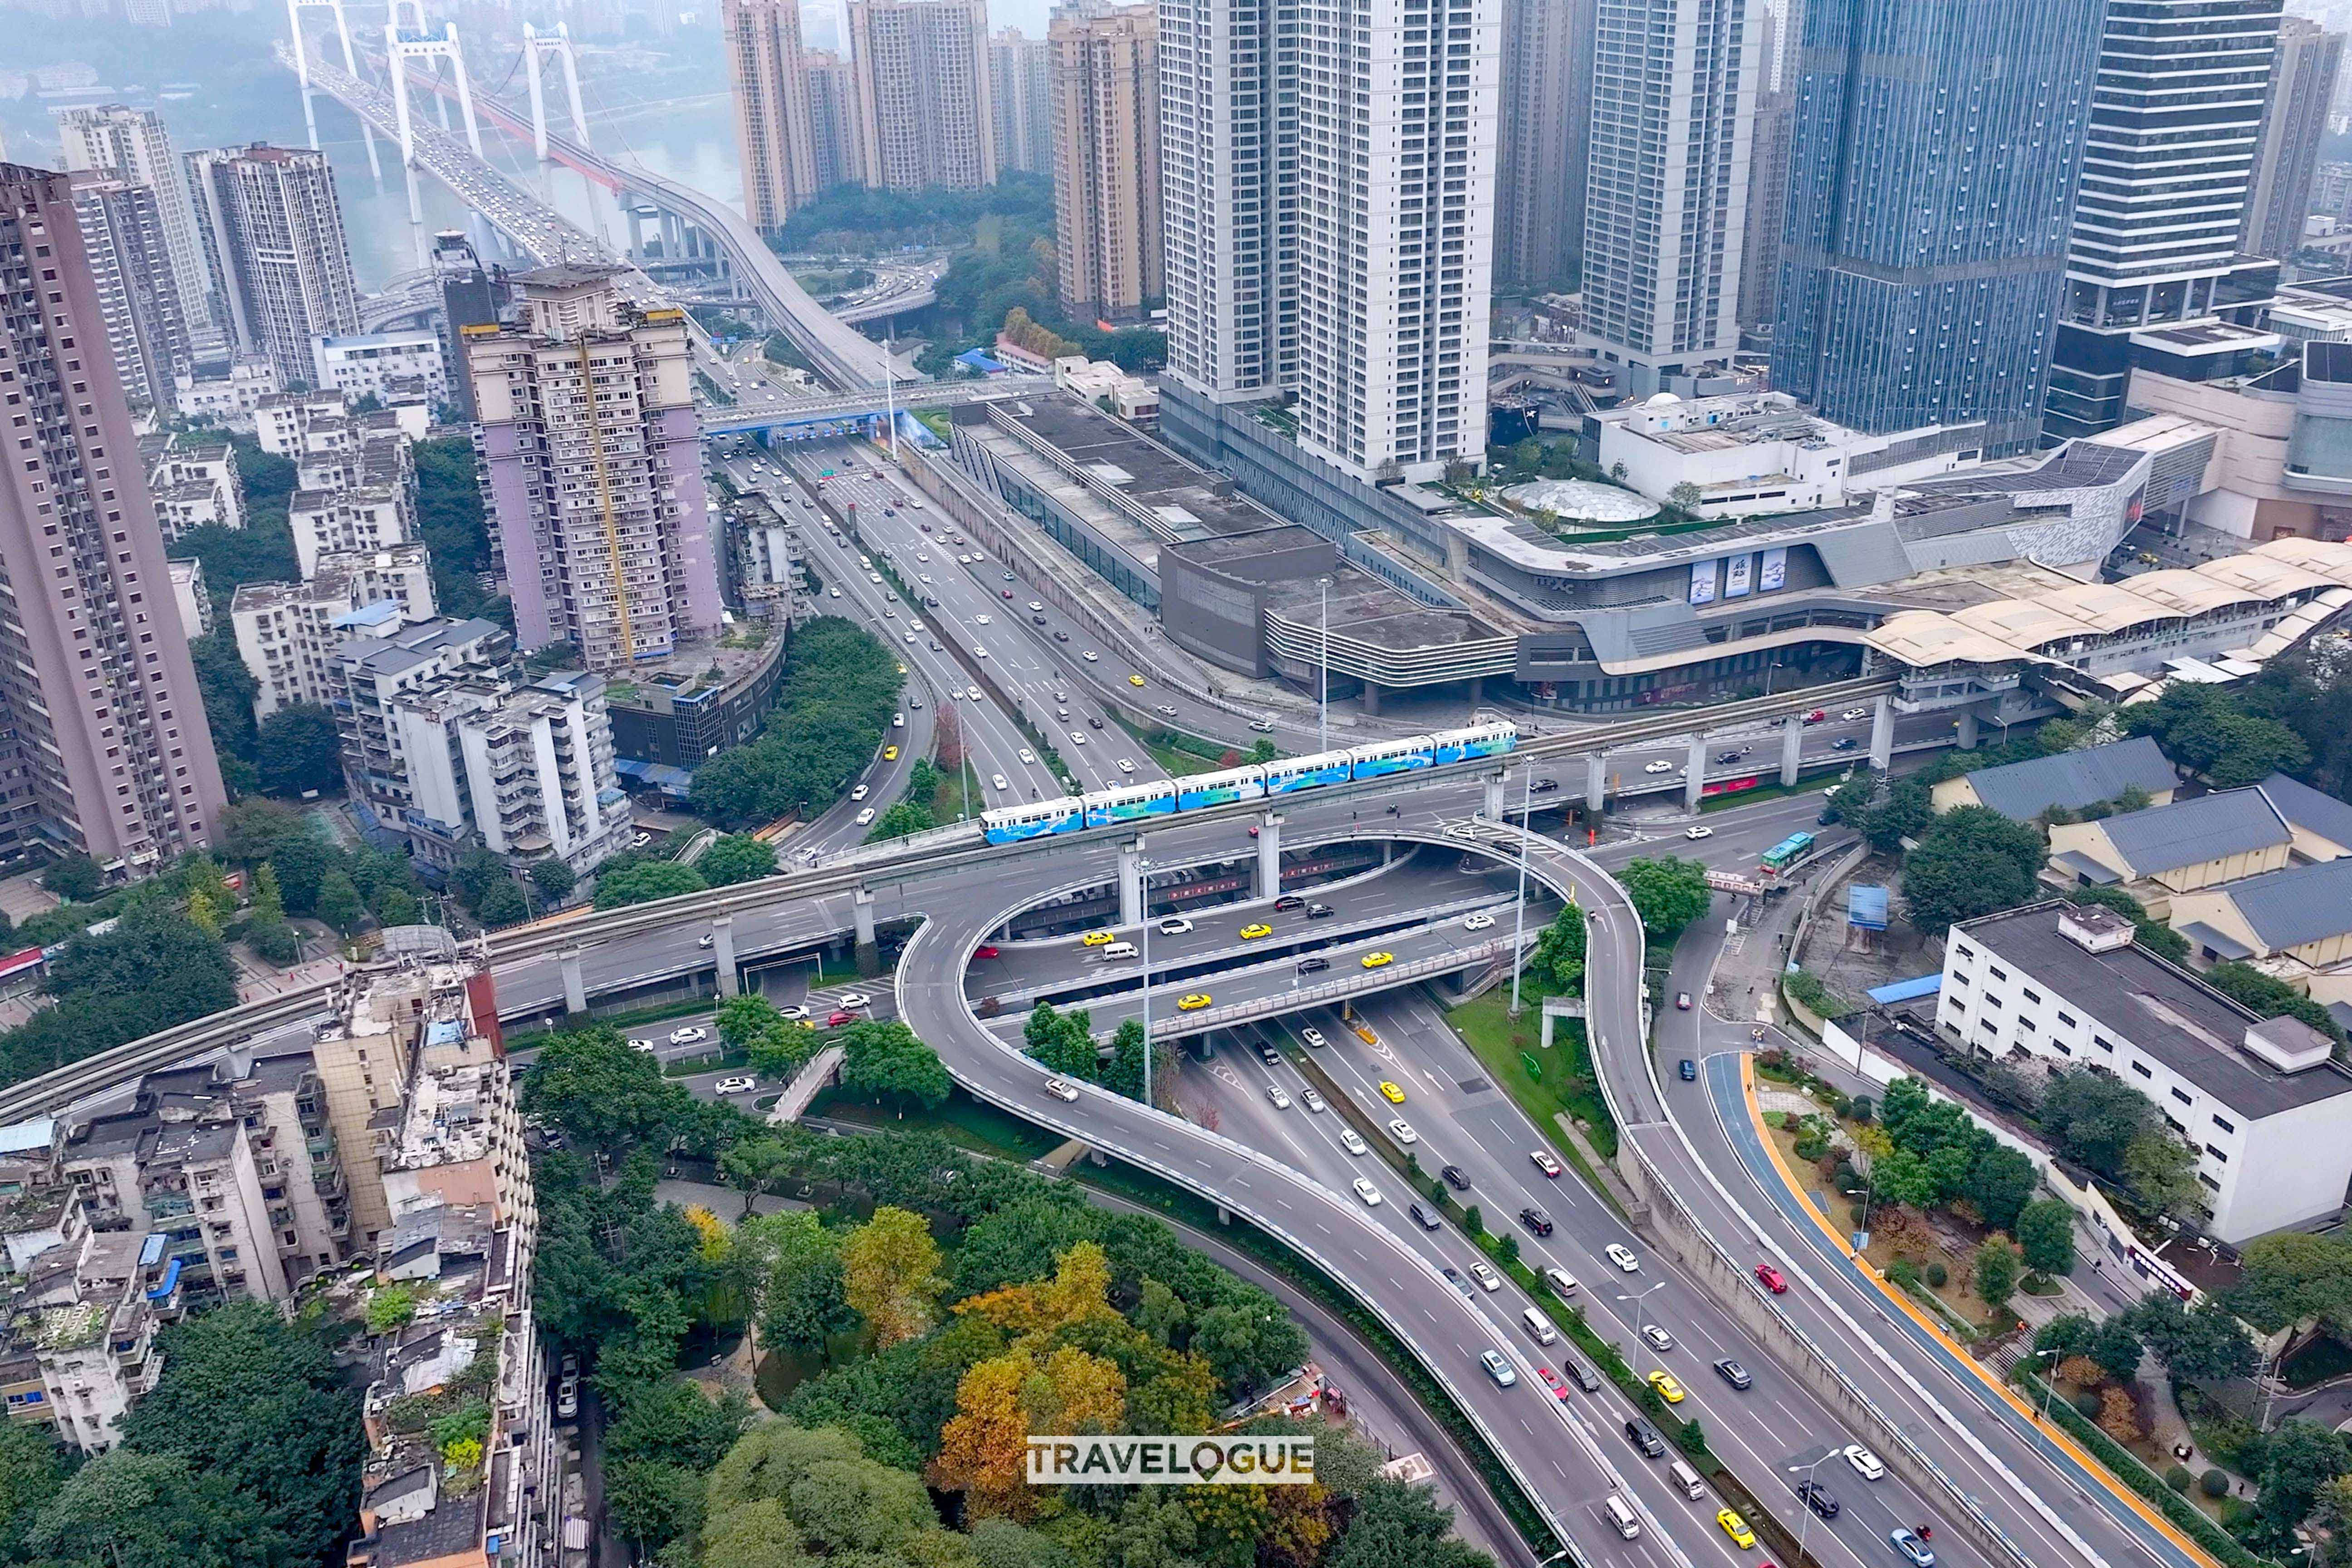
[(1738, 577), (1775, 570), (1701, 587)]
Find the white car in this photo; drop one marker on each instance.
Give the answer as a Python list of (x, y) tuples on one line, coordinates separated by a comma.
[(910, 637), (1660, 766), (913, 626), (1277, 1093), (1062, 1088), (999, 781), (1313, 1036), (973, 692), (645, 1046), (1866, 1465), (832, 593), (859, 793), (865, 818), (793, 1014), (1401, 1131), (689, 1035), (926, 577), (897, 720), (1314, 1100), (735, 1086), (875, 578), (1479, 921), (1366, 1191), (1078, 737), (1091, 657), (851, 1001), (1849, 716), (1352, 1141), (1489, 1280), (1175, 925), (981, 621), (978, 651), (1126, 766), (1027, 755), (1036, 608), (567, 1398), (1698, 832), (1623, 1256)]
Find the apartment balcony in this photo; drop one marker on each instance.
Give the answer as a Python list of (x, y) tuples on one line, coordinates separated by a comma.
[(169, 1205), (328, 1181)]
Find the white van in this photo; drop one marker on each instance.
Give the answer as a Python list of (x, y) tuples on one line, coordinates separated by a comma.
[(1622, 1517), (1118, 950), (1539, 1326), (1687, 1478), (1562, 1282)]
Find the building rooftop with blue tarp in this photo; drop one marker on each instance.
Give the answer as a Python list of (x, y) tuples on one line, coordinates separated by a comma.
[(1907, 990)]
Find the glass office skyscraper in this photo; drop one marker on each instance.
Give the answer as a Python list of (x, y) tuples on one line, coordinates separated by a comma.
[(1937, 145)]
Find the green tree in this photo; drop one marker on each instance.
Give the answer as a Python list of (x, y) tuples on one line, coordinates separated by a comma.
[(744, 1019), (2162, 1170), (132, 1509), (227, 689), (2045, 1233), (1996, 1266), (2211, 732), (797, 1280), (886, 1061), (248, 1398), (297, 749), (2293, 1275), (900, 819), (1557, 965), (475, 873), (1124, 1075), (2269, 997), (2299, 1460), (750, 1165), (1401, 1526), (590, 1085), (2116, 1349), (736, 857), (553, 879), (75, 878), (2094, 1118), (2066, 1336), (338, 902), (1668, 893), (642, 883), (1905, 812), (2000, 1181), (1970, 861), (2203, 1343), (503, 904), (32, 1466)]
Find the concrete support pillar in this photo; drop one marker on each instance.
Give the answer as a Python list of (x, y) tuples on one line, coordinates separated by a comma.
[(1491, 808), (722, 950), (575, 990), (1695, 776), (1371, 699), (1130, 881), (1967, 729), (861, 913), (1269, 854), (1477, 690), (1882, 734), (1792, 747), (1596, 783)]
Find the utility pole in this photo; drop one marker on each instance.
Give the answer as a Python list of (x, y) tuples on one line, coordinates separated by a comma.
[(1519, 915), (1143, 870), (1323, 702)]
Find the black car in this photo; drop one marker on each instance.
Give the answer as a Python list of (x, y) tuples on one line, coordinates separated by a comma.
[(1644, 1436), (1313, 966), (1272, 1057), (1817, 1497), (1320, 911), (1536, 1220), (1544, 787), (1424, 1218), (1732, 1373), (1845, 744), (1728, 756), (1061, 636), (1456, 1179), (1289, 901), (1458, 1282), (1037, 620), (1093, 724)]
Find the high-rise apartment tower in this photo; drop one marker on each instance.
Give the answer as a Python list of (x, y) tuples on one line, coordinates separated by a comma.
[(773, 138), (2163, 196), (585, 416), (103, 745), (2294, 121), (1021, 92), (132, 145), (1929, 206), (272, 229), (130, 262), (1545, 128), (924, 114), (1106, 160), (1665, 201)]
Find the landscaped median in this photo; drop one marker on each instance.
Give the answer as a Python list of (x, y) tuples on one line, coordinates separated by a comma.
[(2203, 1546)]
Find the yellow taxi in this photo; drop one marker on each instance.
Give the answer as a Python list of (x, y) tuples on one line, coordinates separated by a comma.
[(1736, 1527), (1394, 1095), (1135, 680), (1097, 939), (889, 754), (1255, 930), (1379, 960), (1668, 1389), (1192, 1002)]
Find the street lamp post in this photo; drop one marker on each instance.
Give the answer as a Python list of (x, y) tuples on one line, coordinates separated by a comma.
[(1143, 872), (1641, 1306), (1519, 916), (1805, 1525), (1323, 700)]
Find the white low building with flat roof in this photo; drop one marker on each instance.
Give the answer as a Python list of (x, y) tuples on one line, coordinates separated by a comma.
[(371, 364), (2261, 1100)]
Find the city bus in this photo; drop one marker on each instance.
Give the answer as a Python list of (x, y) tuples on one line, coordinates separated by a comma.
[(1778, 857)]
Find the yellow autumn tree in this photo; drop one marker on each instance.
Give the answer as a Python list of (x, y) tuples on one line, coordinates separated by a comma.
[(716, 1241), (1071, 1391), (1080, 1291), (983, 1447), (890, 1274)]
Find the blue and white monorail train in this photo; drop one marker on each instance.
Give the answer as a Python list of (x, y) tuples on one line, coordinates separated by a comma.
[(1133, 802)]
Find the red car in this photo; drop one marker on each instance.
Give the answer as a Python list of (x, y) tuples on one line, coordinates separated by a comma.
[(1772, 1279), (838, 1019), (1552, 1380), (984, 950), (1005, 592), (1816, 716), (1253, 832)]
